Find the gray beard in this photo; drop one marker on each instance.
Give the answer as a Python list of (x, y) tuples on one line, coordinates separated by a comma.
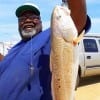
[(28, 34)]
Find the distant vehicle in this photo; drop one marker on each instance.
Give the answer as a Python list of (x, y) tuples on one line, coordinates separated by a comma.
[(89, 59)]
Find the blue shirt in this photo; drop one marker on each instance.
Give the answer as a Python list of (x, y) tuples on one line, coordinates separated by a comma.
[(25, 73)]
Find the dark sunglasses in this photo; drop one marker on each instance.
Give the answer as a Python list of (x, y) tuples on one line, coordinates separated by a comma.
[(35, 18)]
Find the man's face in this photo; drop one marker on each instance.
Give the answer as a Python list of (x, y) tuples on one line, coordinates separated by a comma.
[(29, 25)]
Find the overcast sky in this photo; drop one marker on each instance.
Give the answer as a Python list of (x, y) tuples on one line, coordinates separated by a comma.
[(8, 20)]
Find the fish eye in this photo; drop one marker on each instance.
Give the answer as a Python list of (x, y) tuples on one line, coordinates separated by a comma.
[(58, 17)]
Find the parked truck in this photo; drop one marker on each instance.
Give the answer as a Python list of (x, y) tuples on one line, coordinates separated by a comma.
[(89, 59)]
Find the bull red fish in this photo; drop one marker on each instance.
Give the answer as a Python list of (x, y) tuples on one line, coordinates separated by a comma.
[(64, 54)]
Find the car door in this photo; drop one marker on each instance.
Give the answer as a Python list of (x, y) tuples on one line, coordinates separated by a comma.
[(92, 56)]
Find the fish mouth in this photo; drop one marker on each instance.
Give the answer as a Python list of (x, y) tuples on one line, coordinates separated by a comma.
[(58, 12)]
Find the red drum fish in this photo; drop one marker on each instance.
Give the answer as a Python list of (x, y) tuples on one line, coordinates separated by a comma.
[(64, 54)]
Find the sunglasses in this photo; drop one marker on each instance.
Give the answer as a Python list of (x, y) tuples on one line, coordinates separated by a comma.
[(35, 18)]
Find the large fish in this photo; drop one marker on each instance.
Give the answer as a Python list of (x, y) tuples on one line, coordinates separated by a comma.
[(64, 54)]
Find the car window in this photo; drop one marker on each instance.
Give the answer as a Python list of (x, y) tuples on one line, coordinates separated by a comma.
[(90, 45), (99, 42)]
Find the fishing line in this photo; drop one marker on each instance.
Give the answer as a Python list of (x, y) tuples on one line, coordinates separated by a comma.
[(31, 68), (31, 59)]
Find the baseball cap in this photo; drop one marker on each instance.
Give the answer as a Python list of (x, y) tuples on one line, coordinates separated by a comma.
[(27, 6)]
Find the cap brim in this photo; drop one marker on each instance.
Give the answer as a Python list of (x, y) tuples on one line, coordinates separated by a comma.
[(24, 8)]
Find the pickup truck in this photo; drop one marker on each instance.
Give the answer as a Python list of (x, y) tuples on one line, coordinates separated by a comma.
[(89, 57)]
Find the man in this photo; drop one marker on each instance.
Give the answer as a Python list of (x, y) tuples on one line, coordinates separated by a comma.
[(24, 72)]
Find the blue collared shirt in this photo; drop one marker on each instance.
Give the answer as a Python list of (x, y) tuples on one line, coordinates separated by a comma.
[(18, 81)]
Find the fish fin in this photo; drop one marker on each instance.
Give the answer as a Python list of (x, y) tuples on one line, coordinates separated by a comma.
[(79, 38)]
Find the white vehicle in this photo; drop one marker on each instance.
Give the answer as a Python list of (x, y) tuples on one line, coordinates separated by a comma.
[(89, 59)]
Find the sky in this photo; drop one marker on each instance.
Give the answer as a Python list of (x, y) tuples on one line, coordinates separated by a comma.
[(9, 22)]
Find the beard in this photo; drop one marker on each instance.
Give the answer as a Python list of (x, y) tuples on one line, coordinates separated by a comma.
[(28, 34)]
